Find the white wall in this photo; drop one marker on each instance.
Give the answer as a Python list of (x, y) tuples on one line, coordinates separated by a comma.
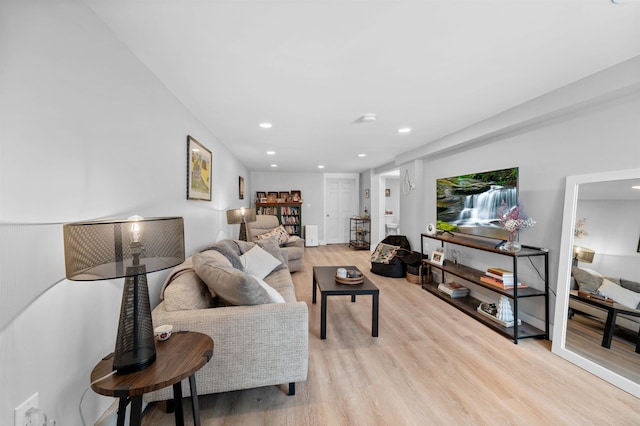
[(87, 132)]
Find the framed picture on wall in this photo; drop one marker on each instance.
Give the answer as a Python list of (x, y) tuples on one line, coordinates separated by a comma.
[(387, 192), (366, 193), (241, 187), (199, 160)]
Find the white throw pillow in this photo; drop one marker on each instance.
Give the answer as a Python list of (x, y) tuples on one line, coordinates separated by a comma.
[(259, 262), (619, 294), (272, 292)]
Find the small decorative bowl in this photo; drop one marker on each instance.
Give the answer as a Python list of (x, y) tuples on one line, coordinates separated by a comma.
[(163, 332)]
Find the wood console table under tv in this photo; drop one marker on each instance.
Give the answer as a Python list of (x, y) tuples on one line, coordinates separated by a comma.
[(469, 304)]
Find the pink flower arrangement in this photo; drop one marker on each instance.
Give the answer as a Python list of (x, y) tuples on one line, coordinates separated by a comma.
[(515, 219)]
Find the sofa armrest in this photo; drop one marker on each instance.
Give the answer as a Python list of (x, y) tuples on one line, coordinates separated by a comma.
[(253, 345), (298, 242)]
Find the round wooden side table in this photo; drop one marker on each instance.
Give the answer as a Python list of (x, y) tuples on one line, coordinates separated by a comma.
[(177, 358)]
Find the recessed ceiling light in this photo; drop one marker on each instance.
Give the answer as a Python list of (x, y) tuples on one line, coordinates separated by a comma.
[(271, 153), (321, 166), (362, 155), (635, 187), (404, 130), (274, 165), (368, 118), (265, 125)]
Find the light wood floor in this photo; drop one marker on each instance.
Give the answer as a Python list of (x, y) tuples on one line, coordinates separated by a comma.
[(431, 364)]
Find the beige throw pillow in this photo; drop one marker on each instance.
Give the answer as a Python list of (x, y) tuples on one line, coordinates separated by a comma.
[(234, 287), (259, 262), (281, 235)]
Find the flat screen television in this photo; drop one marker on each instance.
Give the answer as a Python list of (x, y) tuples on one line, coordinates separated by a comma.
[(470, 204)]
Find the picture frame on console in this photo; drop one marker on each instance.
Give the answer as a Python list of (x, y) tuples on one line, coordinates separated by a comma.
[(199, 162), (437, 257)]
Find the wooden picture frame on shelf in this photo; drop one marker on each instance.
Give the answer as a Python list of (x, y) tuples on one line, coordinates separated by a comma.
[(199, 162), (282, 196), (261, 197), (437, 257), (272, 197), (296, 195)]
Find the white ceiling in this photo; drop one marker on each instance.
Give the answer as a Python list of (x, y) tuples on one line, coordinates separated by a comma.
[(313, 67)]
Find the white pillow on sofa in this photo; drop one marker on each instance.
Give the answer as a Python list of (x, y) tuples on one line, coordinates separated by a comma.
[(619, 294), (272, 292), (259, 262)]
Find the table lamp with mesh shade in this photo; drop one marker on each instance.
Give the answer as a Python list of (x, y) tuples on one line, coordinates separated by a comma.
[(241, 216), (129, 248)]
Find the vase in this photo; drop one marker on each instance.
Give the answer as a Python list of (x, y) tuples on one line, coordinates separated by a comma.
[(512, 244)]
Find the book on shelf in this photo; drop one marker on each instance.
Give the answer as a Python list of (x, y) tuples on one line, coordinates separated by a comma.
[(505, 279), (500, 284), (500, 272), (454, 290)]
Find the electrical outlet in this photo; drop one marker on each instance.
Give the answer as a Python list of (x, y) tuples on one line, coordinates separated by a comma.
[(20, 410)]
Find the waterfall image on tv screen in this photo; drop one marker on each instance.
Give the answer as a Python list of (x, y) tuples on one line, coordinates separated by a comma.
[(471, 203)]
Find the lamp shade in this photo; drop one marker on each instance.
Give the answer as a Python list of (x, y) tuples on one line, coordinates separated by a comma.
[(582, 254), (102, 250), (236, 216)]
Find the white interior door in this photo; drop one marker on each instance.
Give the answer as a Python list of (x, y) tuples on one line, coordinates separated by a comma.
[(341, 203)]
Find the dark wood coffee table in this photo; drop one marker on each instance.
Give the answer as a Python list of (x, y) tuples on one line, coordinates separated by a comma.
[(177, 358), (613, 309), (324, 279)]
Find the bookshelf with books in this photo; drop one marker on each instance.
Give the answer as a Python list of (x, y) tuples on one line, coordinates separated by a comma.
[(496, 279), (289, 215)]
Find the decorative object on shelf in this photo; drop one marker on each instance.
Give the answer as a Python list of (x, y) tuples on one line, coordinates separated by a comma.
[(504, 312), (129, 248), (437, 257), (261, 197), (351, 276), (240, 188), (513, 221), (582, 254), (431, 229), (296, 196), (580, 231), (366, 213), (241, 216), (198, 171)]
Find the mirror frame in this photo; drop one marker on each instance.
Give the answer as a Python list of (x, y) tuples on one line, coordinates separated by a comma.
[(564, 274)]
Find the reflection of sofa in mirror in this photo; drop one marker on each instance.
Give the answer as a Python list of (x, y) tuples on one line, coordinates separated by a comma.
[(621, 290)]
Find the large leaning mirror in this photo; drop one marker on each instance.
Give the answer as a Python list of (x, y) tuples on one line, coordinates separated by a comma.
[(598, 295)]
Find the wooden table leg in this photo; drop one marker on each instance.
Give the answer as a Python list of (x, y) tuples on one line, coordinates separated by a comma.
[(374, 315), (122, 409), (135, 418), (315, 287), (194, 400), (177, 397), (608, 328), (323, 315)]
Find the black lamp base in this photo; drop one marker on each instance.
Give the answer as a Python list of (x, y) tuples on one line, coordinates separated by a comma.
[(135, 344)]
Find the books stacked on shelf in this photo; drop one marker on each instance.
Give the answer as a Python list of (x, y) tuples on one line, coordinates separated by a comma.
[(454, 290), (500, 278)]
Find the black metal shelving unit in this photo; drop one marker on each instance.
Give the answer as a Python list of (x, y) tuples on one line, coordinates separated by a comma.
[(360, 233), (469, 304)]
